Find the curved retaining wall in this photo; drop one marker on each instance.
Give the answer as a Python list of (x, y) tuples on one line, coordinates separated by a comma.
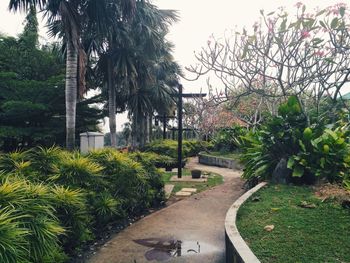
[(237, 251), (207, 159)]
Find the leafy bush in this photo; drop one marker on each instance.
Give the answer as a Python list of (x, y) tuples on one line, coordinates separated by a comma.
[(29, 211), (324, 155), (169, 147), (126, 179), (57, 200), (311, 152), (228, 140), (277, 139)]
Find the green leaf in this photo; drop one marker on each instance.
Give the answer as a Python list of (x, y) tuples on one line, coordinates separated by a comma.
[(245, 51), (342, 11), (283, 25), (331, 133), (302, 145), (298, 171), (322, 162), (317, 41), (334, 23), (291, 162), (321, 12), (323, 24)]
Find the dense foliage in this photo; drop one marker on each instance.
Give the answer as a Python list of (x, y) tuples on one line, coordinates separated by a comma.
[(32, 96), (312, 151), (228, 139), (54, 201), (169, 147)]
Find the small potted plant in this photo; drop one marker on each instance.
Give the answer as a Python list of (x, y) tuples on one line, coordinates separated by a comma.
[(196, 174)]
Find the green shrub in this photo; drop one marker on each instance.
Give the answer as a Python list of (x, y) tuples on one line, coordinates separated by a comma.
[(58, 200), (77, 171), (311, 152), (126, 179), (149, 162), (16, 163), (45, 161), (13, 242), (324, 155), (278, 138), (32, 212), (228, 139), (170, 147), (106, 208), (71, 209)]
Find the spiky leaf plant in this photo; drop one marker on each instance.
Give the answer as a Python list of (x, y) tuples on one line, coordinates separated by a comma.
[(126, 178), (13, 242), (77, 171), (17, 163), (106, 208), (45, 161), (35, 214), (70, 208)]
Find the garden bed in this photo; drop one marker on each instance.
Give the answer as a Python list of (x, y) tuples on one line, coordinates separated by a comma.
[(307, 228), (228, 160)]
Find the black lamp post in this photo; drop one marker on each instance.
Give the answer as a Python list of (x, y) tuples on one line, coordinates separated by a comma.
[(179, 110)]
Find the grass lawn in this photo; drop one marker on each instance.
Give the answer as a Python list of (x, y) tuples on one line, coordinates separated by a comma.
[(306, 235), (230, 155), (213, 180)]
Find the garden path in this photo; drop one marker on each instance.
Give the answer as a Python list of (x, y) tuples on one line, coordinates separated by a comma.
[(198, 221)]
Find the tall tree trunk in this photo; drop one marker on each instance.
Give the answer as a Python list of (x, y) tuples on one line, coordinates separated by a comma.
[(111, 105), (147, 133), (134, 133), (71, 94), (141, 130), (150, 127)]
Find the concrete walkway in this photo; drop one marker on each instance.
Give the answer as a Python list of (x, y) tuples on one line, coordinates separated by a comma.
[(197, 222)]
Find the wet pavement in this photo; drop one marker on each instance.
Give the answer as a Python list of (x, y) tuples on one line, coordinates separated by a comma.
[(191, 230)]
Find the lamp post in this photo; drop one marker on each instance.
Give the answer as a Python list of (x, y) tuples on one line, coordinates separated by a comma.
[(179, 110)]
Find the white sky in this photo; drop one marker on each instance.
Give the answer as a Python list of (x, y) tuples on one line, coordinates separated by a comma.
[(198, 20)]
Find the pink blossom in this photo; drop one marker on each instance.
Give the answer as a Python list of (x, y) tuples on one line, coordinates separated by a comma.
[(319, 53), (305, 34)]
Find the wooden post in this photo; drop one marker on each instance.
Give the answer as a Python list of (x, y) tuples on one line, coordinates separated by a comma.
[(179, 137)]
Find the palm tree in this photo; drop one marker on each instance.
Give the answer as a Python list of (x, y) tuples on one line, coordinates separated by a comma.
[(149, 28), (71, 19), (67, 13)]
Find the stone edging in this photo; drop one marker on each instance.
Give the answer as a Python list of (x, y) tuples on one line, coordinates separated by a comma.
[(207, 159), (237, 251)]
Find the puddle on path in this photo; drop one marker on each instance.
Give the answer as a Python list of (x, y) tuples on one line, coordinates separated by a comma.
[(162, 249)]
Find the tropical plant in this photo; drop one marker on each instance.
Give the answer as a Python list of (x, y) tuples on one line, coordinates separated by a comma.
[(77, 171), (228, 139), (13, 244), (36, 219), (71, 209), (60, 200), (276, 140), (323, 154)]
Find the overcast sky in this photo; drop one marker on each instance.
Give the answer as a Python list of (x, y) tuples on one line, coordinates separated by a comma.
[(198, 20)]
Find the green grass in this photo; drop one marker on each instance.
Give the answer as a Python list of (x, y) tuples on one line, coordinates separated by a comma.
[(230, 155), (213, 180), (301, 234)]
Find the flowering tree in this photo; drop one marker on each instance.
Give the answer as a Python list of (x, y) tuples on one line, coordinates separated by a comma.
[(206, 117), (306, 55)]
